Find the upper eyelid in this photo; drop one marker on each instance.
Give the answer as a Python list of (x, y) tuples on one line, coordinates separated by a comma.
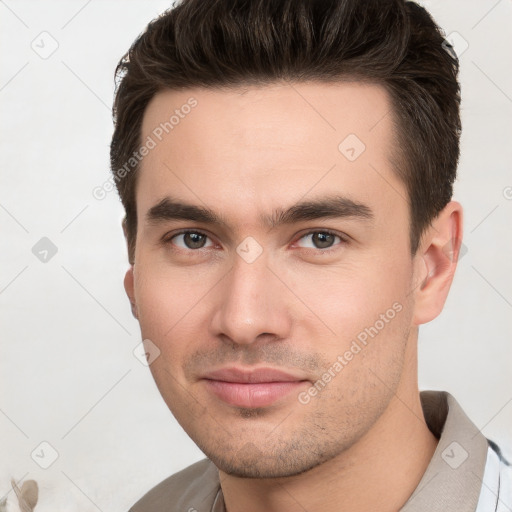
[(168, 237), (343, 237), (325, 230)]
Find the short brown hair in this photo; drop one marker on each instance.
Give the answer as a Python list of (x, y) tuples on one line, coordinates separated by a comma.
[(230, 43)]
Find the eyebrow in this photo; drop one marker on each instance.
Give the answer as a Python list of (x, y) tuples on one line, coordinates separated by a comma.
[(324, 207)]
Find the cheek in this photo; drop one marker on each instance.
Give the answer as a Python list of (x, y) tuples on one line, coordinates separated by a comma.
[(175, 309), (162, 310), (166, 296), (347, 298)]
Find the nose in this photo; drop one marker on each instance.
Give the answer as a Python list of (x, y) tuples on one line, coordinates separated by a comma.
[(251, 304)]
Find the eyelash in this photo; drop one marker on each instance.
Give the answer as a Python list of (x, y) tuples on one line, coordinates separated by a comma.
[(344, 239)]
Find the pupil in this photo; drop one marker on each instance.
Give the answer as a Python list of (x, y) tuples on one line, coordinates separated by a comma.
[(323, 240), (194, 240)]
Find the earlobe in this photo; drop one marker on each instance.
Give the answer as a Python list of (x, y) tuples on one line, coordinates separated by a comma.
[(130, 291), (437, 262)]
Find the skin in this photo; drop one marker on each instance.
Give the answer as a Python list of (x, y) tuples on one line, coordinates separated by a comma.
[(361, 443)]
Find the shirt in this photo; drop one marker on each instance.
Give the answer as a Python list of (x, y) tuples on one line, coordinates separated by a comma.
[(467, 472)]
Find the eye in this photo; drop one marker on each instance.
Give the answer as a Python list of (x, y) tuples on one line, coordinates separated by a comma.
[(319, 240), (191, 240)]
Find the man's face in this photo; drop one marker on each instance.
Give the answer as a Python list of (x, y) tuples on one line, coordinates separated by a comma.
[(300, 275)]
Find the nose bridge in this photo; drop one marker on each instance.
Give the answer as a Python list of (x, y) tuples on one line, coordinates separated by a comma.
[(250, 303)]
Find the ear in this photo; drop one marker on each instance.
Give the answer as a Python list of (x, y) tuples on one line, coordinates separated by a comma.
[(436, 261), (127, 240), (128, 278), (129, 288)]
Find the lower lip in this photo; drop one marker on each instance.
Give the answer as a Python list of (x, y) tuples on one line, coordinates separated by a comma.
[(252, 395)]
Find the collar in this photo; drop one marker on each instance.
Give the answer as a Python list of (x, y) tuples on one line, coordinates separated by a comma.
[(453, 479)]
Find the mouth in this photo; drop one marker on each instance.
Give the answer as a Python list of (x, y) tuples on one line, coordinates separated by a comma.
[(254, 388)]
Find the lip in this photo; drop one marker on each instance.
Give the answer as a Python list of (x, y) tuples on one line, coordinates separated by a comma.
[(251, 388), (251, 376)]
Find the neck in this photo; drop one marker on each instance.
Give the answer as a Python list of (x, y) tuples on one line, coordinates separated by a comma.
[(379, 472)]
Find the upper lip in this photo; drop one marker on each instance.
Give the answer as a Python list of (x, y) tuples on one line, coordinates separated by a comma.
[(251, 376)]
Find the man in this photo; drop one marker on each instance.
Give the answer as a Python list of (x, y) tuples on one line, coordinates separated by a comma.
[(286, 170)]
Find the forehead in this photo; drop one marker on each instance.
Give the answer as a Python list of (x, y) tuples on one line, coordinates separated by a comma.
[(254, 148)]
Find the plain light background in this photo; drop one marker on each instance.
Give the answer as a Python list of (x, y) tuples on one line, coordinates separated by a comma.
[(69, 377)]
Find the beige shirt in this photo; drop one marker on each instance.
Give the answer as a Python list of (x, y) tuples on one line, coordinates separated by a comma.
[(452, 481)]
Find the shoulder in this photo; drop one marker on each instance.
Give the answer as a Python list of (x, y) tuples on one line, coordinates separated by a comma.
[(192, 489)]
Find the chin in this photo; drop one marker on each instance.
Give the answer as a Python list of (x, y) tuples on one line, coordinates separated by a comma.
[(252, 462)]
